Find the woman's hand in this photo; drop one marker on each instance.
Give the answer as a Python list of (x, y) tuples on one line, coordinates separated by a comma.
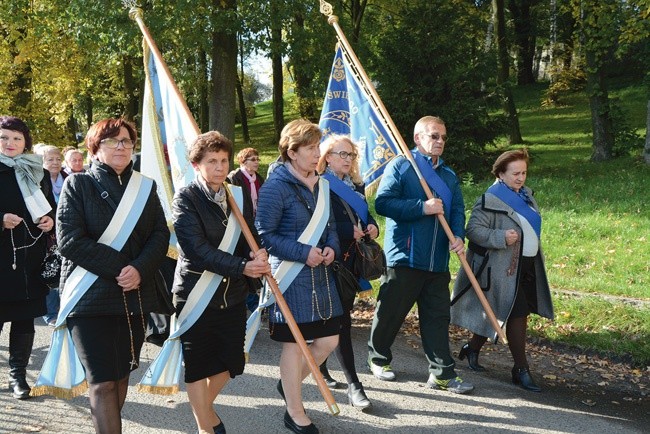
[(373, 231), (45, 223), (258, 266), (511, 237), (357, 233), (315, 257), (129, 278), (10, 221), (328, 255)]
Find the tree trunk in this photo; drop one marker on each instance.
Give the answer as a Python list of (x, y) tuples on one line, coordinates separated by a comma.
[(601, 121), (524, 38), (514, 136), (203, 92), (224, 77), (240, 95), (132, 106), (276, 66), (303, 73), (88, 100), (646, 149), (357, 8)]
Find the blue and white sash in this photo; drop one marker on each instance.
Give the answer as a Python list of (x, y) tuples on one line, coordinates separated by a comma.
[(288, 270), (434, 181), (350, 196), (62, 374), (518, 204), (163, 375)]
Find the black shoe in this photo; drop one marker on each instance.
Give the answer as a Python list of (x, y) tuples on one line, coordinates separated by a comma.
[(330, 382), (299, 429), (19, 386), (219, 429), (357, 396), (522, 377), (472, 358)]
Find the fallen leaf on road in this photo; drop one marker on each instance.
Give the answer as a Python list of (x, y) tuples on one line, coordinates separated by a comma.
[(589, 402), (550, 377), (33, 428)]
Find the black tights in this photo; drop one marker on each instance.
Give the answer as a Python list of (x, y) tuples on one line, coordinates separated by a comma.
[(344, 352), (516, 334), (106, 402)]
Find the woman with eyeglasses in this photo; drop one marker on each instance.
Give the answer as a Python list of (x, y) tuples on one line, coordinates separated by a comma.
[(26, 211), (110, 223), (296, 227), (247, 177), (339, 165)]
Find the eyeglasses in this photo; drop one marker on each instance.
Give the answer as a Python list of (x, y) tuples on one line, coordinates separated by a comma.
[(253, 159), (344, 155), (435, 136), (112, 143)]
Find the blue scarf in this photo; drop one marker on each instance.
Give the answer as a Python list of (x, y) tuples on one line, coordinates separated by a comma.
[(434, 181), (518, 201), (349, 195)]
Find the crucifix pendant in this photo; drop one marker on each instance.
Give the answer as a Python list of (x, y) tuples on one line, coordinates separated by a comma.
[(133, 363)]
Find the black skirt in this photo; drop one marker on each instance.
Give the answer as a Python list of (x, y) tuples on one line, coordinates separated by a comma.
[(280, 332), (526, 297), (103, 344), (215, 343)]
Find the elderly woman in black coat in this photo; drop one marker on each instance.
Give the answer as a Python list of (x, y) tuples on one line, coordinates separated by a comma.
[(107, 323), (22, 244)]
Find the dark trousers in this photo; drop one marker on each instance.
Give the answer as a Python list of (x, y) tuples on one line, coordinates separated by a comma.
[(400, 288)]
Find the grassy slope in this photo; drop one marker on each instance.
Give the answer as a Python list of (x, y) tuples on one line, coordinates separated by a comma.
[(596, 222)]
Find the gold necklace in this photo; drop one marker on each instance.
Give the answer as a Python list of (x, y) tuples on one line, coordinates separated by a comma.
[(13, 244), (314, 297)]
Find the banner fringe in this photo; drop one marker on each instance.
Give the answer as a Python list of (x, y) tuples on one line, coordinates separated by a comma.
[(158, 390), (60, 392)]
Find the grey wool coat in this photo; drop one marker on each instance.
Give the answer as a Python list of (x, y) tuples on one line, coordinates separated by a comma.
[(490, 257)]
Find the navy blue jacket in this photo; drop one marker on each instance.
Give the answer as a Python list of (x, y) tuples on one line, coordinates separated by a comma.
[(281, 218), (413, 239)]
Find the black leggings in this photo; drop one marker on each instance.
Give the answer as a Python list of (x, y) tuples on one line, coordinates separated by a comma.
[(21, 327), (344, 352)]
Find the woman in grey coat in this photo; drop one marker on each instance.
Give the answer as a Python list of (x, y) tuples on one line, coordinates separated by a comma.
[(506, 257)]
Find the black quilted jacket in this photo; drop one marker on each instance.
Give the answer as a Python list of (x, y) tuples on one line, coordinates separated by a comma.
[(82, 216), (198, 223)]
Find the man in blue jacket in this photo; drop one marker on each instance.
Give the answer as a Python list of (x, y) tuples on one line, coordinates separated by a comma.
[(417, 254)]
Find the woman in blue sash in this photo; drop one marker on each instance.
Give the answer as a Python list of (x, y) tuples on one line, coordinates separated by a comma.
[(107, 323), (289, 203), (22, 244), (213, 347), (506, 257), (339, 165)]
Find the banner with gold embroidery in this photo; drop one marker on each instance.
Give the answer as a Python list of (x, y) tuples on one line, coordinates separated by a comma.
[(347, 110)]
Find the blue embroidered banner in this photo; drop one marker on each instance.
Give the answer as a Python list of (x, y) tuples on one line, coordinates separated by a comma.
[(347, 110)]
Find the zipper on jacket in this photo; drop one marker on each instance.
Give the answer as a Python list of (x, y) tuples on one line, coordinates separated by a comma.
[(225, 294), (433, 245)]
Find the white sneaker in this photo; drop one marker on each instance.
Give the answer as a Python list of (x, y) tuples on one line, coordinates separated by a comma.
[(384, 373)]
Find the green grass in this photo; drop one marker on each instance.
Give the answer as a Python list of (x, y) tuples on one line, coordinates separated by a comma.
[(596, 221)]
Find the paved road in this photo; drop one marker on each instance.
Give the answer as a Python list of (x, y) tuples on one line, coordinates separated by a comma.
[(250, 403)]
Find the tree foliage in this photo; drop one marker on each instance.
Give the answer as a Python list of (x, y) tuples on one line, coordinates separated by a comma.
[(427, 69)]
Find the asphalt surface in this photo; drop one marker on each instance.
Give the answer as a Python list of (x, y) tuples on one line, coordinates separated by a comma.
[(250, 403)]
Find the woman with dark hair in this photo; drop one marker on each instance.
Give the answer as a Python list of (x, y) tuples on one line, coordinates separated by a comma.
[(296, 226), (339, 165), (213, 346), (506, 257), (109, 201), (250, 181), (27, 214)]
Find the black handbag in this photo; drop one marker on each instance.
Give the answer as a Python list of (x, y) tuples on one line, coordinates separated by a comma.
[(51, 266), (370, 260), (346, 284)]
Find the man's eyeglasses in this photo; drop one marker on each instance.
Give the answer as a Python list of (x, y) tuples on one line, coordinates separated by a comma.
[(344, 155), (253, 159), (435, 136), (114, 143)]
